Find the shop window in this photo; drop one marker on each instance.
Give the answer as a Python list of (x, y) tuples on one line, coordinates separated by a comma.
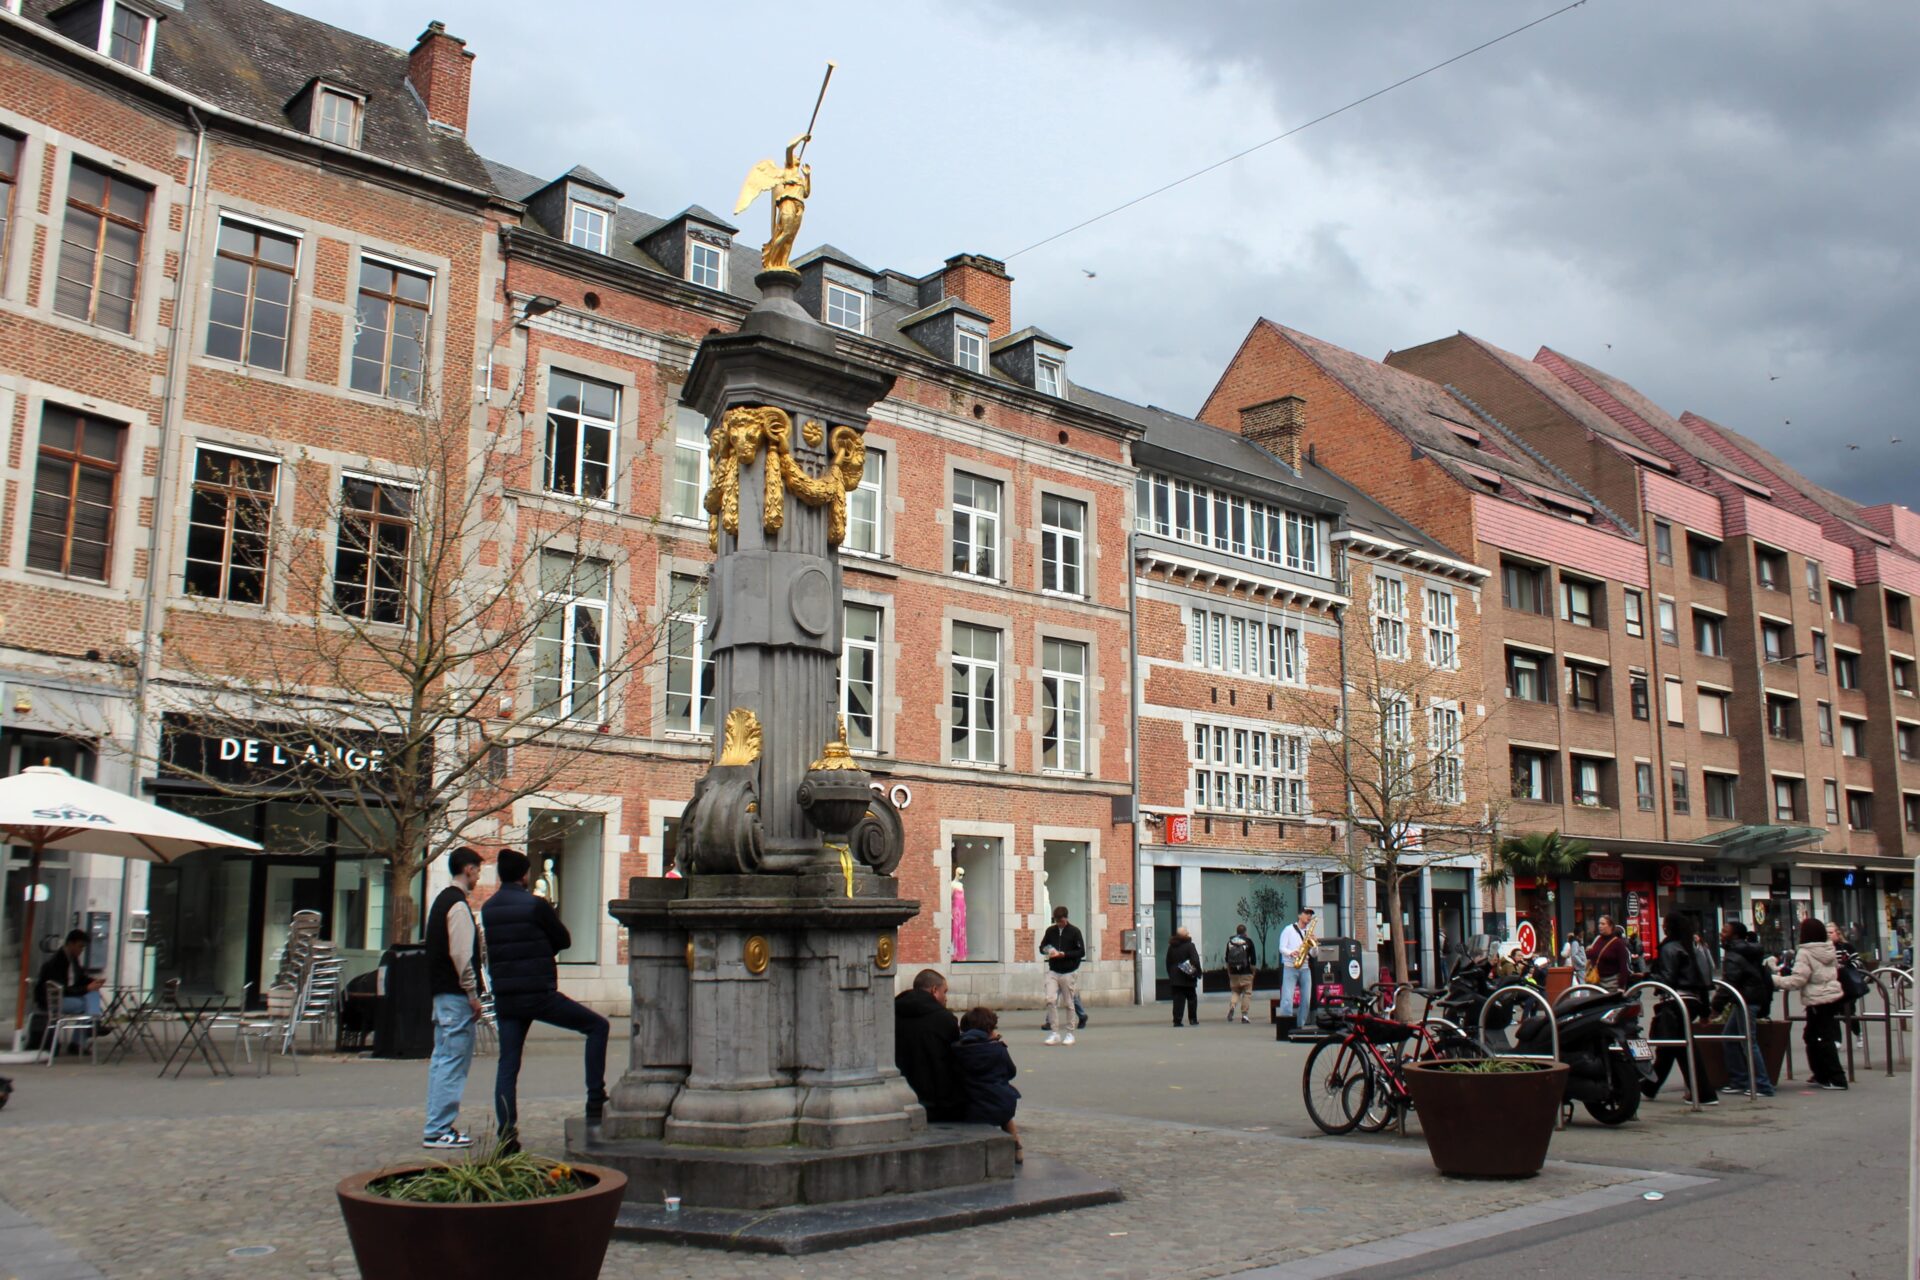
[(565, 849), (974, 899), (1065, 872)]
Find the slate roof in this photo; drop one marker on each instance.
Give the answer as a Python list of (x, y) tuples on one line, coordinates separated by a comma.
[(1827, 500), (252, 58), (834, 253), (587, 177), (1558, 393), (1421, 410)]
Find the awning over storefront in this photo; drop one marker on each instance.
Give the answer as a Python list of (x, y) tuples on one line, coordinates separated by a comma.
[(1649, 850), (1754, 843)]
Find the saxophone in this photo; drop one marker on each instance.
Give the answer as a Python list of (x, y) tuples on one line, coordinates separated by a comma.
[(1307, 943)]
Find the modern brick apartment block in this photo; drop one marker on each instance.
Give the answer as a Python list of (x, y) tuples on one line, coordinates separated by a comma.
[(238, 259)]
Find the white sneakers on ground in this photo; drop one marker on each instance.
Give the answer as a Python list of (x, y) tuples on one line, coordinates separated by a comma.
[(1068, 1039), (1053, 1037)]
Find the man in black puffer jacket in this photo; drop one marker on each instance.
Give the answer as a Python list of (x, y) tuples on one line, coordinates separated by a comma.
[(1743, 966), (924, 1033), (1676, 966), (524, 934)]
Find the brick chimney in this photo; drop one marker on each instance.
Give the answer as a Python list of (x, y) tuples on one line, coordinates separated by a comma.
[(441, 71), (983, 283), (1276, 426)]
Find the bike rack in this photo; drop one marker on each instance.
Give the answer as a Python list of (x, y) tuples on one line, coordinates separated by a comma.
[(1553, 1029), (1746, 1016), (1578, 986), (1686, 1026), (1896, 1004)]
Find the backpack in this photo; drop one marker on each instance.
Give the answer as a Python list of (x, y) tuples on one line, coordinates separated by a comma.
[(1854, 982), (1239, 955)]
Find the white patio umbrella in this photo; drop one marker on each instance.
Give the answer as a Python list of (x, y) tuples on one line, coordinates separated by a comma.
[(47, 808)]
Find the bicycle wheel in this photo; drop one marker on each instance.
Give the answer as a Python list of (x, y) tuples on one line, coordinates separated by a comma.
[(1337, 1086), (1382, 1100)]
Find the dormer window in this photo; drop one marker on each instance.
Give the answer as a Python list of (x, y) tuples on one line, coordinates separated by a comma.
[(706, 264), (846, 308), (130, 39), (970, 350), (336, 117), (587, 227), (117, 29), (1049, 377)]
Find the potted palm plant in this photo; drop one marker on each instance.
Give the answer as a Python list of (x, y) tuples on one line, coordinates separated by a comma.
[(1487, 1117), (503, 1212)]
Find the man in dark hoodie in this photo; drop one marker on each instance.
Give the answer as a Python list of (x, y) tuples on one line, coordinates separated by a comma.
[(924, 1034), (1743, 965)]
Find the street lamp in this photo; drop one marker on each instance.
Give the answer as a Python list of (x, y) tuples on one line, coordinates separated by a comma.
[(537, 305)]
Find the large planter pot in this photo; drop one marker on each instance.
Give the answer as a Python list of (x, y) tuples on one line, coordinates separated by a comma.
[(558, 1238), (1772, 1037), (1494, 1124), (1773, 1045)]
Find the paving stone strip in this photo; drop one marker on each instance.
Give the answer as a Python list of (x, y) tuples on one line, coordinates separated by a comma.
[(170, 1198)]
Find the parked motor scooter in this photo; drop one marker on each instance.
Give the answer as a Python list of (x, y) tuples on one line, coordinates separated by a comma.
[(1600, 1041)]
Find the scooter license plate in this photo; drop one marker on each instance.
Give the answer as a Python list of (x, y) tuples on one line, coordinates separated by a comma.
[(1641, 1050)]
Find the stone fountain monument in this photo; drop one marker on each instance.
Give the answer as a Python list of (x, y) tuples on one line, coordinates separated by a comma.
[(761, 1090)]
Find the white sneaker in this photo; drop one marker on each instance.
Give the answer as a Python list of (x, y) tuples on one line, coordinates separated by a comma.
[(451, 1140), (1053, 1037), (1069, 1038)]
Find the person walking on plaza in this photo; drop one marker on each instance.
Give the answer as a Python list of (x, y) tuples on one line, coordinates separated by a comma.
[(1609, 957), (1743, 967), (1063, 948), (1240, 967), (1294, 978), (986, 1074), (456, 956), (1816, 976), (924, 1033), (1183, 975), (1845, 958), (524, 935), (1676, 966)]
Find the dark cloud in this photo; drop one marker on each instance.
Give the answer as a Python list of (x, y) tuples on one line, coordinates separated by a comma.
[(1720, 190)]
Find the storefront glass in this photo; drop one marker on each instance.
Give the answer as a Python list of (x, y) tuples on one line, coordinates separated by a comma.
[(566, 853), (1064, 883), (1593, 899), (52, 907), (1899, 935), (974, 897), (1265, 903)]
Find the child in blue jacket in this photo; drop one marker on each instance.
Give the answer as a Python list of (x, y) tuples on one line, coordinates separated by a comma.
[(986, 1073)]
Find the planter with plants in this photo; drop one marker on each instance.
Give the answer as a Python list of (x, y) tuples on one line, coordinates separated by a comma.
[(1488, 1117), (496, 1214)]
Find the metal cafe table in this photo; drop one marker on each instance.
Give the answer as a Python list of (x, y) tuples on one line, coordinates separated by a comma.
[(196, 1014)]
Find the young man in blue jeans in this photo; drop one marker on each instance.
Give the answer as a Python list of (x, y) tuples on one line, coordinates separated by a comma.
[(524, 935), (455, 956)]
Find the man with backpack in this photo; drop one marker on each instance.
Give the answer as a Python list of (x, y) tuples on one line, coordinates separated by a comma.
[(1240, 967)]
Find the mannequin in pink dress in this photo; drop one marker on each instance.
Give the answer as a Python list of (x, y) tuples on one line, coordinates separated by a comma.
[(959, 887)]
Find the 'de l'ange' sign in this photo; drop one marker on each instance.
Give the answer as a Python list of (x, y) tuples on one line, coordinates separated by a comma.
[(271, 756)]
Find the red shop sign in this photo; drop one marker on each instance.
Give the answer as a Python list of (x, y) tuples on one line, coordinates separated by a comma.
[(1607, 869), (1668, 874), (1179, 828)]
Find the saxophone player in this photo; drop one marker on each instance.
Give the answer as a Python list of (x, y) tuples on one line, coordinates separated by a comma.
[(1296, 968)]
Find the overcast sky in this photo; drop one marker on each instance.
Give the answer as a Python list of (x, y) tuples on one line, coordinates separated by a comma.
[(1715, 200)]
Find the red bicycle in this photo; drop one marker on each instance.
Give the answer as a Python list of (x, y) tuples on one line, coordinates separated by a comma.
[(1353, 1078)]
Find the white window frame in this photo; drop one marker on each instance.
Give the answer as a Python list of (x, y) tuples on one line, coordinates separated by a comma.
[(1250, 769), (977, 517), (696, 251), (1580, 766), (873, 647), (1056, 684), (570, 604), (583, 423), (850, 302), (1633, 612), (1055, 542), (587, 226), (1049, 377), (691, 445), (323, 93), (872, 493), (1443, 629), (109, 10), (969, 350), (1389, 616), (970, 674), (1445, 728), (697, 660), (1572, 588)]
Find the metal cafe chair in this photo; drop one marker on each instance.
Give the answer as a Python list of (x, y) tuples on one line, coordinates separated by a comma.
[(272, 1032), (70, 1026)]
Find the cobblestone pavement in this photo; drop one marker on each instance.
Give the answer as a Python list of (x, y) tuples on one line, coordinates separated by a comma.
[(166, 1199)]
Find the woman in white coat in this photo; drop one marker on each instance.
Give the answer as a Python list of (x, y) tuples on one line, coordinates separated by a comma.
[(1816, 976)]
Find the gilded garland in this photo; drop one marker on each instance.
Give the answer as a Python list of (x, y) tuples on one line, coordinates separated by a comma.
[(737, 442)]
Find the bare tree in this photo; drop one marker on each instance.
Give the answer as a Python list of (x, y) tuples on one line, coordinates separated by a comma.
[(1402, 751), (447, 640), (1263, 910)]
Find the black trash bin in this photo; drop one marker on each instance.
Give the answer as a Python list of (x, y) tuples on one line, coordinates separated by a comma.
[(403, 1027)]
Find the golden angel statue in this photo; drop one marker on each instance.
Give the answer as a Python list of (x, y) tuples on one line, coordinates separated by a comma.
[(790, 185)]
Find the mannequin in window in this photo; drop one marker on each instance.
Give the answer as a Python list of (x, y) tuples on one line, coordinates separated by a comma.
[(1046, 898), (959, 888), (547, 883)]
